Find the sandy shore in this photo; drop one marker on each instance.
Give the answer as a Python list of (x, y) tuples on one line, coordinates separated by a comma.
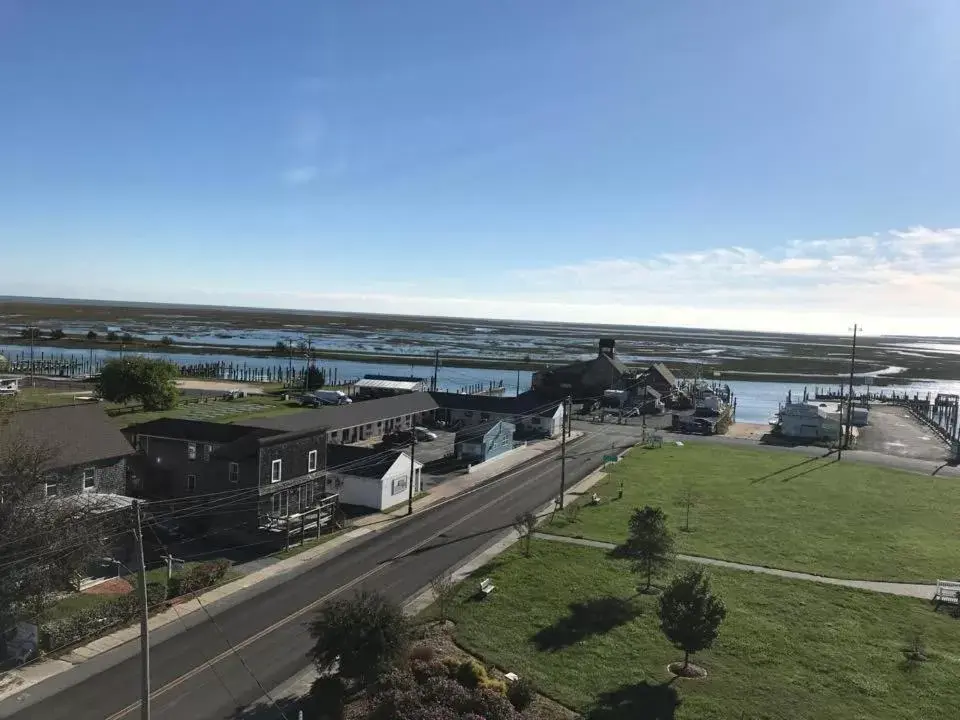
[(748, 431)]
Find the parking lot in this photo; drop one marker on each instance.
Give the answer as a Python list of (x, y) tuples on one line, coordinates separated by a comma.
[(894, 431)]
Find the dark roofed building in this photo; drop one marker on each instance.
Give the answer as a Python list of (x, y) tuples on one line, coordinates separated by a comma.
[(264, 475), (659, 377), (586, 378), (88, 453), (360, 420)]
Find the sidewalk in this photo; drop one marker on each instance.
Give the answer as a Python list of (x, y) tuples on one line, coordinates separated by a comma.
[(916, 590), (41, 669)]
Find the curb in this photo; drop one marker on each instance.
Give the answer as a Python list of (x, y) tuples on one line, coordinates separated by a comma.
[(16, 680)]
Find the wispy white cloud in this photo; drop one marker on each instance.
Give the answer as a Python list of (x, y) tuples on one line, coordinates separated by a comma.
[(300, 175)]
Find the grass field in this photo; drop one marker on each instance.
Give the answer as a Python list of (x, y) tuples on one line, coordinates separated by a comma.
[(782, 510), (569, 619)]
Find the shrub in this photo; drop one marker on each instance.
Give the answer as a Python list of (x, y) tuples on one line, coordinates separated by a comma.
[(76, 627), (156, 594), (422, 652), (424, 670), (497, 686), (199, 577), (492, 706), (521, 694), (126, 607), (470, 674)]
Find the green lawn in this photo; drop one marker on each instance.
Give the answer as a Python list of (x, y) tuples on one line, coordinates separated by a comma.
[(788, 511), (788, 648), (231, 411)]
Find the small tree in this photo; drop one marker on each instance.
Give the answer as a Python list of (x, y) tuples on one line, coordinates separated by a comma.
[(112, 336), (127, 337), (315, 377), (525, 524), (687, 501), (30, 333), (56, 334), (361, 637), (444, 590), (152, 382), (649, 543), (91, 335), (166, 340), (690, 614)]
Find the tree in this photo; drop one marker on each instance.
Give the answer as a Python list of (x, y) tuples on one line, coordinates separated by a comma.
[(444, 590), (690, 614), (687, 501), (112, 336), (91, 335), (525, 524), (127, 337), (57, 334), (649, 543), (151, 382), (46, 543), (166, 340), (30, 333), (315, 377), (362, 637)]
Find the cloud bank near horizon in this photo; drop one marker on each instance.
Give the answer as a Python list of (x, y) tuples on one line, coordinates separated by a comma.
[(897, 282)]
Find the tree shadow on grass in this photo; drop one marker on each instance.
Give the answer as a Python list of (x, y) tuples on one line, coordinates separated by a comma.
[(597, 616), (642, 701)]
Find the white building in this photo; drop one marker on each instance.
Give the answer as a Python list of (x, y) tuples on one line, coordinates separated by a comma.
[(365, 477), (802, 420), (9, 385)]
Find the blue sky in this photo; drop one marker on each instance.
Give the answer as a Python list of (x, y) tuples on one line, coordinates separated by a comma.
[(741, 164)]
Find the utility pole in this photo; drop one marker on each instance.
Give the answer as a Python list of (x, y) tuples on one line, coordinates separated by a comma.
[(144, 626), (853, 360), (413, 450), (840, 425), (436, 369), (563, 452), (33, 377), (518, 382)]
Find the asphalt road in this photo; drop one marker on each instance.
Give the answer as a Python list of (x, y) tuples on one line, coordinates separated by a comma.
[(196, 675)]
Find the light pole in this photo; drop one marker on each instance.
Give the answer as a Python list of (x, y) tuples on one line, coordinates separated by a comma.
[(853, 360)]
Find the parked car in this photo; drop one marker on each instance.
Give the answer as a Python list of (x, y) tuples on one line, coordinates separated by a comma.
[(423, 434), (696, 426), (398, 437), (320, 398)]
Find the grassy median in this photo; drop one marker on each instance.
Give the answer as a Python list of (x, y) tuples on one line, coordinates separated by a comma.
[(786, 510), (569, 619)]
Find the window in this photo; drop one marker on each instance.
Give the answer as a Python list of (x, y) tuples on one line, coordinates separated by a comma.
[(207, 449), (51, 489), (276, 471), (90, 478), (311, 461), (191, 451), (191, 483), (233, 470)]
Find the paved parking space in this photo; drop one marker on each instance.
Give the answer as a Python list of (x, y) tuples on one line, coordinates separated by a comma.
[(894, 431)]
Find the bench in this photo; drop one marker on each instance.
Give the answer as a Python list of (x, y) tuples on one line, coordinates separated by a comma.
[(948, 591), (486, 586)]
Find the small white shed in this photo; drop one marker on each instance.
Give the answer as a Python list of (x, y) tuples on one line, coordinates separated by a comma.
[(369, 478)]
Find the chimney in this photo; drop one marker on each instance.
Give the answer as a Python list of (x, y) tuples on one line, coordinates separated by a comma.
[(607, 346)]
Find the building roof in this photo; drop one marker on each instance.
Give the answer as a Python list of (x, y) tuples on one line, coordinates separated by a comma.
[(664, 372), (401, 385), (362, 461), (193, 430), (617, 364), (473, 433), (76, 434), (336, 417)]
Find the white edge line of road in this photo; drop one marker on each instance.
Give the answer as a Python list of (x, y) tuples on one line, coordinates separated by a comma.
[(53, 667), (298, 685)]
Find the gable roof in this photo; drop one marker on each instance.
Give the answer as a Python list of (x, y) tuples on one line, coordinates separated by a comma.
[(664, 372), (362, 461), (76, 434), (474, 433), (192, 430)]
